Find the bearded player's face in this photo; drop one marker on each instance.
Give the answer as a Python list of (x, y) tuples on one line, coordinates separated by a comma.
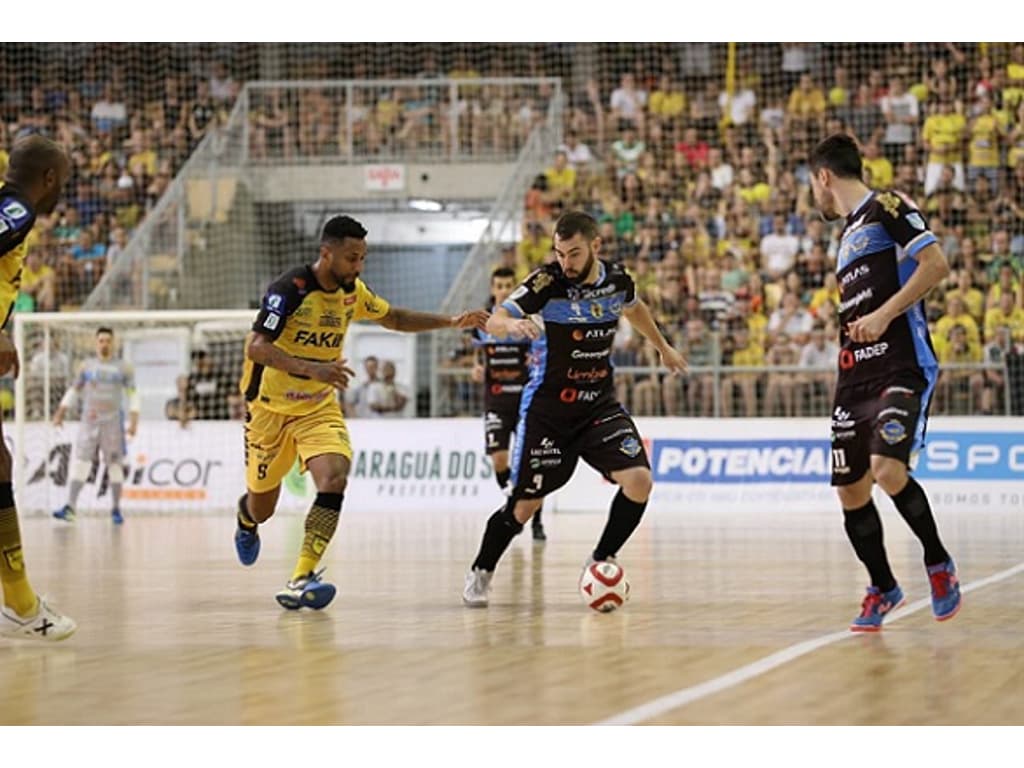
[(346, 261), (576, 256), (824, 200)]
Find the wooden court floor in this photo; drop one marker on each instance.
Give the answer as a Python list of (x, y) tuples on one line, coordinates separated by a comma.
[(173, 631)]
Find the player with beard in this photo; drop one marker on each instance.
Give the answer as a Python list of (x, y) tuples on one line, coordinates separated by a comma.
[(293, 364), (888, 262), (569, 310)]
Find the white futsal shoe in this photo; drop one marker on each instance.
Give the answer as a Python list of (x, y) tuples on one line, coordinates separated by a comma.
[(46, 624), (478, 584)]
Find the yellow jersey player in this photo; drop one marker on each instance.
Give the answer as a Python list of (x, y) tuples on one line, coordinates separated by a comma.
[(293, 364), (36, 172)]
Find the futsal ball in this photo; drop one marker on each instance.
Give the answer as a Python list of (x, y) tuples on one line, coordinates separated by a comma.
[(603, 586)]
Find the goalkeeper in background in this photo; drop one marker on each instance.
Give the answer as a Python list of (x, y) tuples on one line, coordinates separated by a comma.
[(104, 382)]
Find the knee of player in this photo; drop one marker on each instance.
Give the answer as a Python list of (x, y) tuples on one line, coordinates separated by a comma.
[(890, 474), (333, 482), (637, 483)]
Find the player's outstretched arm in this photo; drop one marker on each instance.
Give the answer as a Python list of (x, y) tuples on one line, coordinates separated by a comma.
[(640, 317), (502, 325), (932, 269), (411, 321), (261, 350)]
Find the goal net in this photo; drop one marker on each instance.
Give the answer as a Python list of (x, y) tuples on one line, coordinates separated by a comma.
[(188, 453)]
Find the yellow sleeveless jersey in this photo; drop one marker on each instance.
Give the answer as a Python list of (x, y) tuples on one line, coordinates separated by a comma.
[(16, 220), (308, 322)]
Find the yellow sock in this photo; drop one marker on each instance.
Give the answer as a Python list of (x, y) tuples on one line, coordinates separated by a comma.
[(18, 593), (321, 523)]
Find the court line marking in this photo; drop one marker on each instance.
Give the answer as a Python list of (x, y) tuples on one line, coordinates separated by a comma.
[(685, 696)]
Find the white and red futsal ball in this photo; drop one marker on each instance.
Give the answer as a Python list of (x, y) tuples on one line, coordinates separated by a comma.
[(603, 586)]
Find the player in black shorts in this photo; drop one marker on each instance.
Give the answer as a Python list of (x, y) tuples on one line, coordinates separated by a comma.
[(888, 261), (503, 368), (570, 310)]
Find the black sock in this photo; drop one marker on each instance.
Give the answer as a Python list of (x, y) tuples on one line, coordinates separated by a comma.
[(502, 527), (623, 518), (502, 476), (244, 520), (913, 506), (864, 528), (537, 522)]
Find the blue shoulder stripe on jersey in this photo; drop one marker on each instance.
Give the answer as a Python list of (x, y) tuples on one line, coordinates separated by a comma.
[(863, 241), (920, 242)]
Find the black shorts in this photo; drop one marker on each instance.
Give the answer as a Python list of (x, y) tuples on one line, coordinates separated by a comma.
[(885, 417), (547, 448), (499, 422)]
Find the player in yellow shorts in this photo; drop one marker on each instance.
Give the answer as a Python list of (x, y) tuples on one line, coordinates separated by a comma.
[(293, 364), (37, 170)]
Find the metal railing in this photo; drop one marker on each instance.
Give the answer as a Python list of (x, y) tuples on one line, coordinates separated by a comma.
[(179, 258)]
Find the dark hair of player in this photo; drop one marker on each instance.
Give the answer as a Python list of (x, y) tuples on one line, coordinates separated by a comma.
[(574, 223), (339, 227), (838, 153), (503, 272), (31, 157), (104, 329)]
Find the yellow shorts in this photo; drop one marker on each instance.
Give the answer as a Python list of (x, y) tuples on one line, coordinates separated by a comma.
[(272, 440)]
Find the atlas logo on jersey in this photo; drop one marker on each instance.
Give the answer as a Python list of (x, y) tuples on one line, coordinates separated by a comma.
[(579, 334)]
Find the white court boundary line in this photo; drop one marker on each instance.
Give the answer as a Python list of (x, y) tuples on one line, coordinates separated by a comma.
[(684, 696)]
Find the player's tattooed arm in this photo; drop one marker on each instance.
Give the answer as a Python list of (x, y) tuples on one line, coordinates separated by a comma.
[(261, 350), (411, 321)]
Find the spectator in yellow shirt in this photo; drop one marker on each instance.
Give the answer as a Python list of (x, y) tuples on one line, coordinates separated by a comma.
[(959, 391), (1014, 93), (561, 179), (942, 136), (667, 104), (535, 247), (878, 166), (985, 132), (956, 314), (806, 101), (972, 298), (745, 353), (38, 281), (1007, 313)]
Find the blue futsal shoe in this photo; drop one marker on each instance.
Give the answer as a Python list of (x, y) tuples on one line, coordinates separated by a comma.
[(945, 590), (307, 591), (876, 606), (65, 513), (247, 545)]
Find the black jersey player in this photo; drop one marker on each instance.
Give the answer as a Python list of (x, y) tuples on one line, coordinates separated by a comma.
[(888, 261), (570, 310), (502, 367)]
